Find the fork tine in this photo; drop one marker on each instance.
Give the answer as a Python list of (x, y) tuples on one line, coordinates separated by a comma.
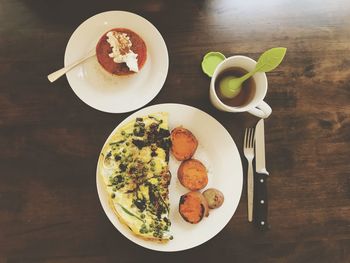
[(248, 136), (245, 138), (252, 139)]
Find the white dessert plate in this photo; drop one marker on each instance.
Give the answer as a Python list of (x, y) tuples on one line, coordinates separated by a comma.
[(218, 153), (116, 94)]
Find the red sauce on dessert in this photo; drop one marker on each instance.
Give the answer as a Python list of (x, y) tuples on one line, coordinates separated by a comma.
[(103, 49)]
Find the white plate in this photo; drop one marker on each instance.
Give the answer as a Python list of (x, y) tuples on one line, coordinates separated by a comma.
[(103, 91), (219, 154)]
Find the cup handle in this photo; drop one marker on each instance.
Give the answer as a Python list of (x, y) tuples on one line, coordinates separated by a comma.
[(263, 110)]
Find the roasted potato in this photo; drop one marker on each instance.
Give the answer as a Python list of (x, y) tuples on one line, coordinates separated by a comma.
[(193, 207), (184, 143), (192, 174), (214, 197)]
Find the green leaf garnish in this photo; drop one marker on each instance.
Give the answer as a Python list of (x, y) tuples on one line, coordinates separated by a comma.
[(117, 143), (130, 213), (161, 198)]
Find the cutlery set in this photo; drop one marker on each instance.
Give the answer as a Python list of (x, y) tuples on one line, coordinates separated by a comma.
[(254, 148)]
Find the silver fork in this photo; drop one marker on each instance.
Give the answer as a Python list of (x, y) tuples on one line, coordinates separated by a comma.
[(248, 148)]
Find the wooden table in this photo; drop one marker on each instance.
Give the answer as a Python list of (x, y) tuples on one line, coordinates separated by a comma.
[(50, 140)]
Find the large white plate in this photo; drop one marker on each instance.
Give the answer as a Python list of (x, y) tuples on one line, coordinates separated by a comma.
[(218, 152), (103, 91)]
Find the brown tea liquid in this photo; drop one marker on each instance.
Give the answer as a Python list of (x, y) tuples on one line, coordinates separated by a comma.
[(247, 91)]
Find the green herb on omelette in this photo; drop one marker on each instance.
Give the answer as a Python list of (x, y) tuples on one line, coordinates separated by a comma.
[(130, 213)]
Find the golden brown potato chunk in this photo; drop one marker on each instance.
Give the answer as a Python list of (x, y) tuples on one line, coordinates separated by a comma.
[(214, 197), (184, 143), (193, 207), (192, 174)]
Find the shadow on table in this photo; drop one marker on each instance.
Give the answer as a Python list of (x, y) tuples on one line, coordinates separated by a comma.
[(74, 12)]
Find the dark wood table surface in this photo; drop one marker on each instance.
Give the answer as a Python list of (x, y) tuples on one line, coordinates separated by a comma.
[(50, 140)]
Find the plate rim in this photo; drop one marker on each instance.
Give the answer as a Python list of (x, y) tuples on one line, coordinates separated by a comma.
[(126, 119), (163, 43)]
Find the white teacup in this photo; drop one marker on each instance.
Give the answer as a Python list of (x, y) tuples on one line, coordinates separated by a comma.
[(256, 106)]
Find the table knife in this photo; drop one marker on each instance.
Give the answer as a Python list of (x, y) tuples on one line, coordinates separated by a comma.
[(260, 178)]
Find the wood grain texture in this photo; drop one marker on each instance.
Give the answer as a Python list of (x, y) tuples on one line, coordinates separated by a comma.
[(50, 140)]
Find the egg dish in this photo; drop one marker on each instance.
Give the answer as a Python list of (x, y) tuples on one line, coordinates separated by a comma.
[(134, 166)]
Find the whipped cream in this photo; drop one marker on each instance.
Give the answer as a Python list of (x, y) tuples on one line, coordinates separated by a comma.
[(121, 50)]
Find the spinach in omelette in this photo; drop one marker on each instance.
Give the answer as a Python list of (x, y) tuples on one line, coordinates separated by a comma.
[(134, 167)]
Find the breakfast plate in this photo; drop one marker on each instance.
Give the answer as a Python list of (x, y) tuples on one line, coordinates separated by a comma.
[(103, 91), (216, 150)]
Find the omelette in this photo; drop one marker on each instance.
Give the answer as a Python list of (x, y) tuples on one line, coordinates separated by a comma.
[(134, 167)]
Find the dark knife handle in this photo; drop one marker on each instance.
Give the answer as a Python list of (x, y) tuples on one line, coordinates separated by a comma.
[(260, 201)]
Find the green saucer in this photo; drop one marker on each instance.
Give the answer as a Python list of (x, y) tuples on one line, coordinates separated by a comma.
[(210, 61)]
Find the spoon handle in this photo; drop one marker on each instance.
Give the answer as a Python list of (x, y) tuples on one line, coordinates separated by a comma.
[(59, 73), (248, 75)]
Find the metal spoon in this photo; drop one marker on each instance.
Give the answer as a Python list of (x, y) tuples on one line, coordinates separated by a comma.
[(59, 73)]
